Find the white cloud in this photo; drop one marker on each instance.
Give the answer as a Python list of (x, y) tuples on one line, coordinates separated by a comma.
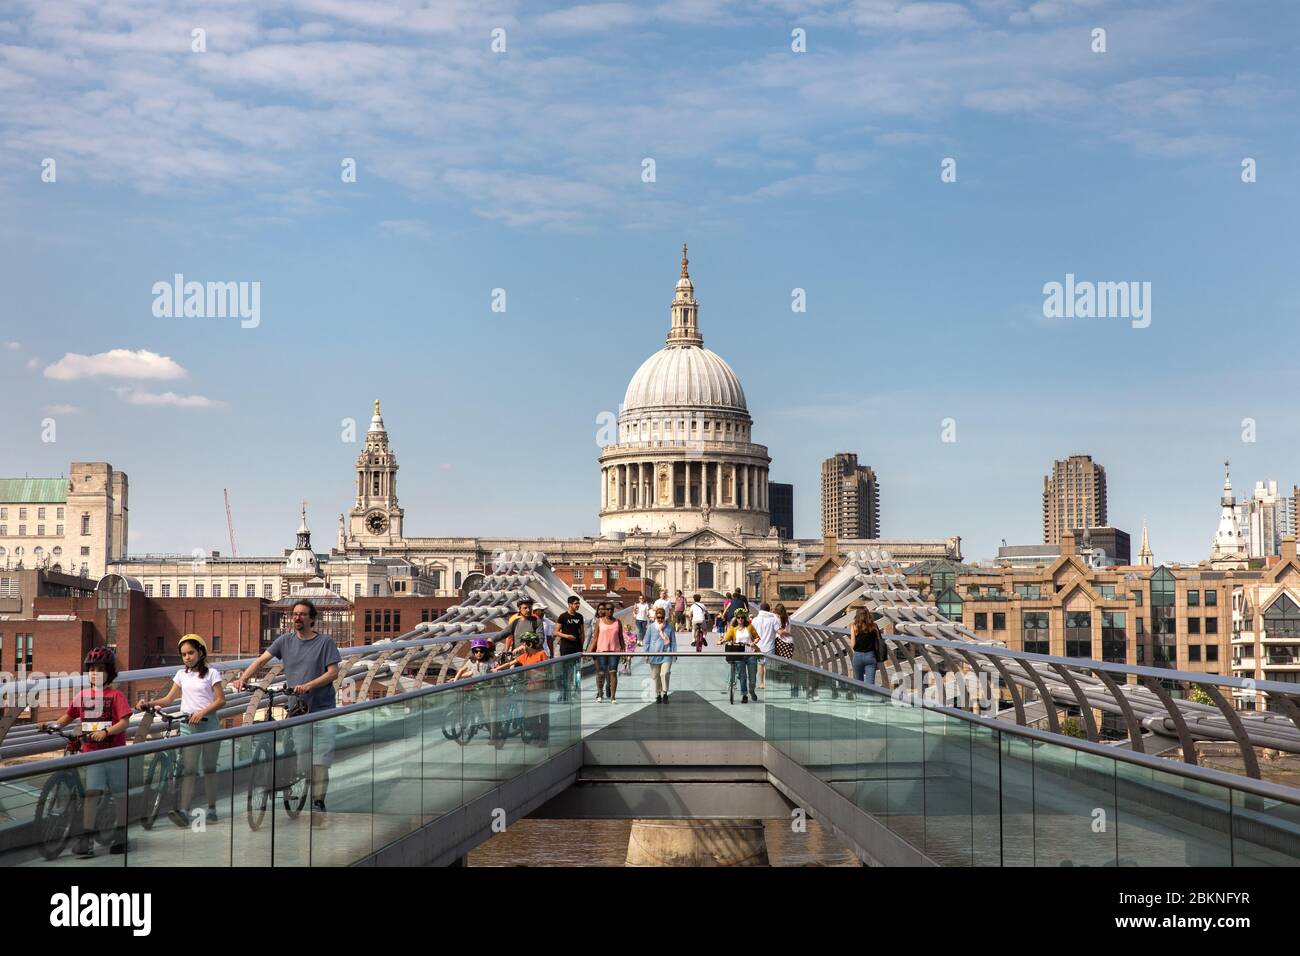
[(445, 466), (116, 363), (13, 346), (133, 396), (33, 363), (62, 409)]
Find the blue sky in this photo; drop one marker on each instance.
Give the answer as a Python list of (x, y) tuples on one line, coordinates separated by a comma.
[(522, 170)]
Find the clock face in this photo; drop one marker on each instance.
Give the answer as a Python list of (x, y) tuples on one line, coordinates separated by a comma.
[(376, 523)]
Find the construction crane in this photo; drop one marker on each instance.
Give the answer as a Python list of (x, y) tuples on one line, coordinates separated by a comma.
[(230, 524)]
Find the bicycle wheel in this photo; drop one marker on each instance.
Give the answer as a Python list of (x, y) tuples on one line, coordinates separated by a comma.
[(157, 776), (295, 796), (57, 811), (475, 720), (259, 784), (731, 683), (453, 726)]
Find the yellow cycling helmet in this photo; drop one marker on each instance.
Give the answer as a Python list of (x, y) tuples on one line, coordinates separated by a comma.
[(196, 639)]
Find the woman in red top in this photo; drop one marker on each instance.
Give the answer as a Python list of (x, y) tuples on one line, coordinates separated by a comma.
[(104, 714)]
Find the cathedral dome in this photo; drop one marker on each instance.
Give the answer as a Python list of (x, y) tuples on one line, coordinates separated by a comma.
[(685, 376)]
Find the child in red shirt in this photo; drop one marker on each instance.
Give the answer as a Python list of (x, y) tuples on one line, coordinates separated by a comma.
[(104, 714)]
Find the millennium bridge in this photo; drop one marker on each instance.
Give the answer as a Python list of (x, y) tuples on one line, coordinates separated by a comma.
[(960, 755)]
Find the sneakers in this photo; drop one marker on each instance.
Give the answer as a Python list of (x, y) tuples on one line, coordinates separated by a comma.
[(665, 698), (84, 848), (318, 813), (744, 699), (178, 818), (755, 696), (212, 813), (119, 846)]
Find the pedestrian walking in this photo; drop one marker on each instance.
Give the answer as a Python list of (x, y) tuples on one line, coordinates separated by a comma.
[(661, 639)]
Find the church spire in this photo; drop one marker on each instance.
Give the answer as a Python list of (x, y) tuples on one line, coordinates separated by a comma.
[(685, 329), (1229, 545), (1145, 558)]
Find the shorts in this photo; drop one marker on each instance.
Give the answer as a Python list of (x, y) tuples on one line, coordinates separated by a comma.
[(208, 723), (316, 741), (606, 662), (109, 775)]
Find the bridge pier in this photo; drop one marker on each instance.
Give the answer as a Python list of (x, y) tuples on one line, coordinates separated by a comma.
[(697, 843)]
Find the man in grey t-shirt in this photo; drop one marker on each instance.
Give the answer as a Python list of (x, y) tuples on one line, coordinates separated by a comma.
[(311, 665)]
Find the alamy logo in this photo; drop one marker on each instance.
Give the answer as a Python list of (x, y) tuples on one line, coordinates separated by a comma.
[(1100, 300), (75, 909), (208, 300)]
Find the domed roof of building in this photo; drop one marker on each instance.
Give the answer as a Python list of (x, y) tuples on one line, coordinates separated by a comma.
[(685, 375)]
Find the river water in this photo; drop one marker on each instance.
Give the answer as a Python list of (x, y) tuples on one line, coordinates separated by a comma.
[(604, 843)]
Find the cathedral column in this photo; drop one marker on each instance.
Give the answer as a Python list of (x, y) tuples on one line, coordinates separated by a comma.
[(604, 487), (648, 471), (735, 499), (618, 486)]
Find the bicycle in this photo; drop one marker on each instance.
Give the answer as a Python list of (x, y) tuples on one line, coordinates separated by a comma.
[(162, 775), (461, 725), (59, 809), (268, 772)]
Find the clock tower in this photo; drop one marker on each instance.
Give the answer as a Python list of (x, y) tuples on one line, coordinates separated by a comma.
[(376, 520)]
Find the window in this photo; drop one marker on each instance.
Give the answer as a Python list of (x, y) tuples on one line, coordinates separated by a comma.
[(22, 514), (374, 590), (85, 524), (356, 590), (369, 620), (1140, 652), (1282, 619), (182, 590), (1211, 652), (216, 590), (950, 605), (40, 530), (337, 587), (1114, 640), (397, 621), (613, 576), (1193, 625), (1194, 653), (981, 621), (704, 574), (166, 590), (1211, 598), (4, 514), (1138, 627), (216, 643), (1193, 598), (790, 592), (1034, 632), (941, 580), (148, 590), (58, 530), (1107, 590), (999, 621), (577, 575), (1078, 633), (388, 621), (250, 590), (23, 652), (22, 530), (85, 551), (4, 530), (266, 592), (1211, 625), (40, 514), (58, 514), (198, 590)]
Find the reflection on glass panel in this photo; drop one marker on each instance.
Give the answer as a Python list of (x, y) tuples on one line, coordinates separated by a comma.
[(341, 814), (947, 790), (1168, 820), (1265, 832), (1074, 807)]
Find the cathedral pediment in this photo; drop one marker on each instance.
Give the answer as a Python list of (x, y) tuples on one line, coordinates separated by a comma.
[(705, 538)]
